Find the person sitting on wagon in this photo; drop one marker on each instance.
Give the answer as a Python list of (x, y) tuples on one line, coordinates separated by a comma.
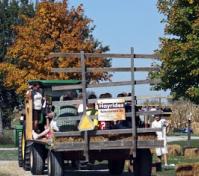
[(50, 126), (91, 110)]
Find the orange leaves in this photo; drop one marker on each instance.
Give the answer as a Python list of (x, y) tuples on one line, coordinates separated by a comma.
[(54, 28)]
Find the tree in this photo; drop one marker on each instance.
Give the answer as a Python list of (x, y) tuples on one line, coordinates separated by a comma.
[(179, 51), (54, 28), (11, 12)]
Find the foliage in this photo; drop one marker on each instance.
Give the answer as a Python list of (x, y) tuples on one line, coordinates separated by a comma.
[(54, 28), (179, 51), (11, 12)]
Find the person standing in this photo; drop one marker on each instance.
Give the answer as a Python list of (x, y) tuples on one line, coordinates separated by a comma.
[(37, 105), (161, 135)]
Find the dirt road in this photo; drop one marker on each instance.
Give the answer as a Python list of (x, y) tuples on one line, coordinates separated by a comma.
[(10, 168)]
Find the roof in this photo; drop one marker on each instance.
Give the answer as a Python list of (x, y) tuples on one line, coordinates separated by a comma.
[(49, 83)]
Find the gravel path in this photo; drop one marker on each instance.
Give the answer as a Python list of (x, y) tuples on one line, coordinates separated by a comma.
[(11, 168)]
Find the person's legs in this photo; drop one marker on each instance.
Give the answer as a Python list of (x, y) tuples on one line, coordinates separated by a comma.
[(159, 159), (165, 160), (164, 152)]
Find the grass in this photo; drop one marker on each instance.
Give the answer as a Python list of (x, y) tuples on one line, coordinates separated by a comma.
[(183, 144), (179, 159), (8, 155), (7, 138)]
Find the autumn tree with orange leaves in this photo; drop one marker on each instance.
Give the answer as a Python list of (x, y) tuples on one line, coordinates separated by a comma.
[(54, 28)]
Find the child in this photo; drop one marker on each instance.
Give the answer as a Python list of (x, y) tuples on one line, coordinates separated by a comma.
[(50, 126)]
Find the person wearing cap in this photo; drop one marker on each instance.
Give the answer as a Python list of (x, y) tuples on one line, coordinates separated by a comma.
[(161, 135)]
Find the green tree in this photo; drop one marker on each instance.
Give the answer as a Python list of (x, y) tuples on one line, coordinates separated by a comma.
[(11, 13), (179, 50)]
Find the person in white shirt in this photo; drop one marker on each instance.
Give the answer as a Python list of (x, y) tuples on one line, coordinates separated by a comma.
[(37, 105), (161, 135)]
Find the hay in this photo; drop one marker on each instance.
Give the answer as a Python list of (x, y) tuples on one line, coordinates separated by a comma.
[(187, 169), (174, 150), (115, 137), (195, 127), (191, 152)]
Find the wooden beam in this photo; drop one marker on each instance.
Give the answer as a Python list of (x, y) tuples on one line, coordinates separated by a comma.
[(106, 132), (105, 69), (67, 87), (107, 145), (104, 55)]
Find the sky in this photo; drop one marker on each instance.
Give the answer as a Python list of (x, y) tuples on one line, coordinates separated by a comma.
[(122, 24)]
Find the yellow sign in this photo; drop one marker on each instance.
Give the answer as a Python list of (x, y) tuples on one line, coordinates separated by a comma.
[(86, 124), (111, 109)]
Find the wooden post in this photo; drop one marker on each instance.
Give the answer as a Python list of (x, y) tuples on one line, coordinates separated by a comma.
[(189, 133), (133, 116), (83, 67)]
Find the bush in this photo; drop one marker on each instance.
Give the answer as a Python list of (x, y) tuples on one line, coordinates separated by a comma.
[(7, 137)]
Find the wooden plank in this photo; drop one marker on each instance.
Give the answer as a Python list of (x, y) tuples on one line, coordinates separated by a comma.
[(106, 132), (63, 103), (146, 69), (121, 83), (103, 55), (105, 69), (65, 70), (109, 84), (150, 144), (106, 145), (67, 87), (146, 56)]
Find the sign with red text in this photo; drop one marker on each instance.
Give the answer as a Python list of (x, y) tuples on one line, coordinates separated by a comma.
[(111, 109)]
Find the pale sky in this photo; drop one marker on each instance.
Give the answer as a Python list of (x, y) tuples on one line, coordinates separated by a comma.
[(122, 24)]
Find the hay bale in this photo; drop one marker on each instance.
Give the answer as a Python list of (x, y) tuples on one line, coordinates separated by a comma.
[(191, 152), (174, 150), (195, 127), (187, 169), (196, 169), (184, 170)]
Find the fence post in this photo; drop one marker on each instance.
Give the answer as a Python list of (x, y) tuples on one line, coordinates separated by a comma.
[(189, 130)]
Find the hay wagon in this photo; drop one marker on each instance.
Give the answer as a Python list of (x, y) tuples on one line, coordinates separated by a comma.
[(115, 145)]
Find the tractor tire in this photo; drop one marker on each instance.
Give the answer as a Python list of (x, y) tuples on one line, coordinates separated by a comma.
[(142, 164), (116, 167), (20, 153), (55, 164), (37, 159), (26, 147)]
